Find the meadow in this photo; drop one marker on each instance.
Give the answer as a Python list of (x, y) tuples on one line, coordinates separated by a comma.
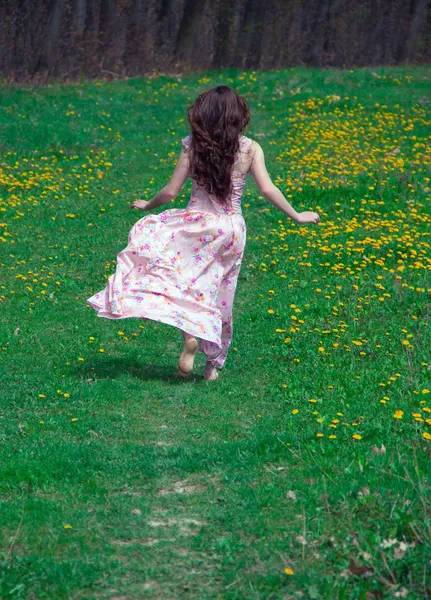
[(303, 471)]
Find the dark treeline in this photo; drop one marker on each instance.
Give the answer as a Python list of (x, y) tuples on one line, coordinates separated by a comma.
[(67, 39)]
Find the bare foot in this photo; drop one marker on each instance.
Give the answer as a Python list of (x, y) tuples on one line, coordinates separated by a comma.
[(187, 358), (210, 371)]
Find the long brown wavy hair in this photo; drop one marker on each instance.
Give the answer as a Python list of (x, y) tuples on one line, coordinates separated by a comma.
[(217, 118)]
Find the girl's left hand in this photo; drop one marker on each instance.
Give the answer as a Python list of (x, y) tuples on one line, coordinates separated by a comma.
[(142, 204)]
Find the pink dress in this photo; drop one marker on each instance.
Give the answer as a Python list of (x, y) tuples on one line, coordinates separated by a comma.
[(181, 267)]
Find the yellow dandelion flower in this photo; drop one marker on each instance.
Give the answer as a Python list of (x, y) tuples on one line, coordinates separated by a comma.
[(319, 434), (289, 571), (294, 411), (427, 435), (398, 414), (356, 436), (332, 437), (67, 526)]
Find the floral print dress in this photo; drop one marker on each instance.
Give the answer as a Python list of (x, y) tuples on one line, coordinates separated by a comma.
[(181, 267)]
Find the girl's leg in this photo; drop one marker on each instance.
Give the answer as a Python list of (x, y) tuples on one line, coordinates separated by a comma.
[(187, 336), (187, 358), (210, 371)]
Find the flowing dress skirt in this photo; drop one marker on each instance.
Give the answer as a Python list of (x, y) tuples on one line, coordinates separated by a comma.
[(181, 268)]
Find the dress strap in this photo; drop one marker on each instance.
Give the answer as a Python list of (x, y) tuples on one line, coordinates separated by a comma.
[(245, 143), (186, 141)]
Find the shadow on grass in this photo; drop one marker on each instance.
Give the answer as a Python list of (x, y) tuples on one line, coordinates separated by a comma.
[(111, 368)]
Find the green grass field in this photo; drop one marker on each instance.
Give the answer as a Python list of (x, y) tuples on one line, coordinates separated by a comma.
[(303, 472)]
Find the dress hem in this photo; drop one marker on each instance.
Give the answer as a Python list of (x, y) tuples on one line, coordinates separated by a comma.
[(188, 327)]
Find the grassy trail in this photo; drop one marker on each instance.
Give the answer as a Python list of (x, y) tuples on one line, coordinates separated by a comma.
[(304, 470)]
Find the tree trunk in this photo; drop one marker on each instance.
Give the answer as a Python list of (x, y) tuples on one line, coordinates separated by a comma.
[(53, 33)]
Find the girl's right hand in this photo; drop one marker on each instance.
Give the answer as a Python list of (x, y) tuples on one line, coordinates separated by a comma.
[(307, 216), (142, 204)]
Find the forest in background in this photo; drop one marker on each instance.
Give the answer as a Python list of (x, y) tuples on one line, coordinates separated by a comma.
[(68, 39)]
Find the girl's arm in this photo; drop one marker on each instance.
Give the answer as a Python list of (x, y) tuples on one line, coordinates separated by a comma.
[(172, 188), (271, 191)]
